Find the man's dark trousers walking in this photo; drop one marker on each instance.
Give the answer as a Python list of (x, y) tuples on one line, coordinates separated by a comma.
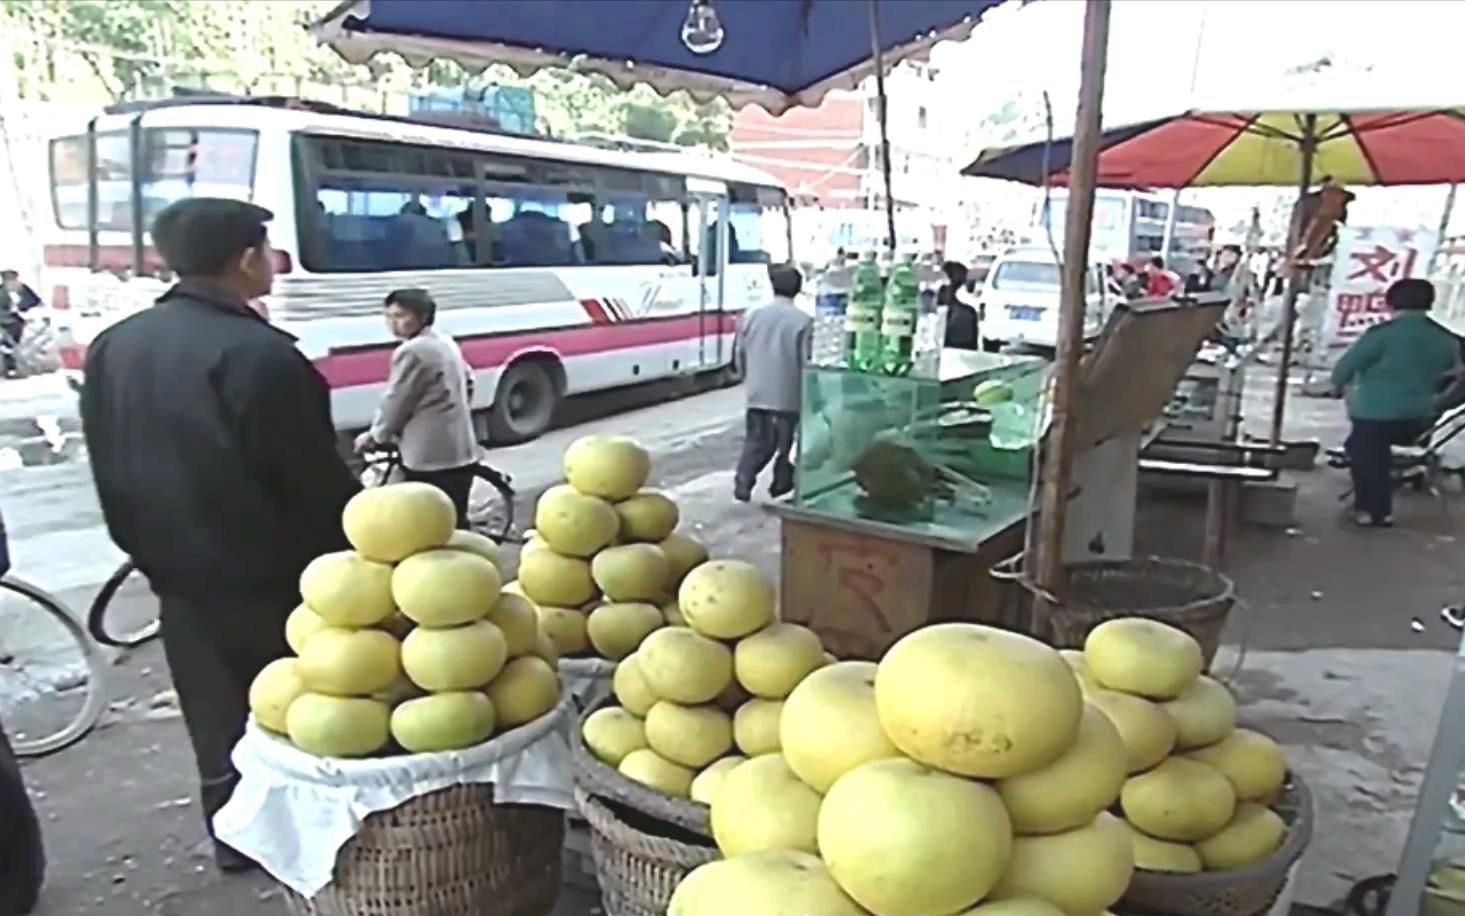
[(770, 436)]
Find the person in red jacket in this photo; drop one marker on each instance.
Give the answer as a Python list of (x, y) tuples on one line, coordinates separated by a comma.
[(1159, 282)]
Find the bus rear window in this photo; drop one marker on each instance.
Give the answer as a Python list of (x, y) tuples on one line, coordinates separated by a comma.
[(178, 163)]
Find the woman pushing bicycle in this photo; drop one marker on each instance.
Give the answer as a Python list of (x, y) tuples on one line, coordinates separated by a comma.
[(427, 409)]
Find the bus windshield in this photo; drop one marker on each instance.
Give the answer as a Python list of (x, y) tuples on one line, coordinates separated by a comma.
[(180, 162)]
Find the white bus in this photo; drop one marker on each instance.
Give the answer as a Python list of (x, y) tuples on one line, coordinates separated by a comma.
[(559, 268)]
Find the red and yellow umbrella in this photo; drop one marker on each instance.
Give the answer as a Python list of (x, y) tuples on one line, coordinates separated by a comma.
[(1220, 148)]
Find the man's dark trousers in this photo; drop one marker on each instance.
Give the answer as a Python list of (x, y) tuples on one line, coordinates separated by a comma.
[(215, 648), (769, 436)]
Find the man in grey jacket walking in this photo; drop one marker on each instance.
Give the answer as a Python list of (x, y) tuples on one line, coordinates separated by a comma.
[(772, 346)]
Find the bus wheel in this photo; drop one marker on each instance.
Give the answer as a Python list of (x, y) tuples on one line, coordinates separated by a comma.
[(528, 395)]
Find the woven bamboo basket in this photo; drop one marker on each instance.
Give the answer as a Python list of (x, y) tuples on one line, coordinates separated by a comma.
[(453, 852), (639, 861), (599, 780), (1244, 892), (1189, 596)]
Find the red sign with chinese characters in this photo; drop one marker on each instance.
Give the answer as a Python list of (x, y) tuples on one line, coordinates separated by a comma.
[(1367, 262)]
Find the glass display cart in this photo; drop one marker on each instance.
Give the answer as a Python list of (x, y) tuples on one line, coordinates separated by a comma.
[(1431, 878)]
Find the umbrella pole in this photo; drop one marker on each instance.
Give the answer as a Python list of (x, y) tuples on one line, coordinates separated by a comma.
[(881, 116), (1058, 454), (1294, 278)]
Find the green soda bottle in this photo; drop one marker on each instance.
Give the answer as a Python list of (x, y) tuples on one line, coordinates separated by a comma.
[(862, 317), (899, 318)]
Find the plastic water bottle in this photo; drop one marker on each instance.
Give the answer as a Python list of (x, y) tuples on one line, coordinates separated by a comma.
[(831, 302), (898, 320), (862, 317)]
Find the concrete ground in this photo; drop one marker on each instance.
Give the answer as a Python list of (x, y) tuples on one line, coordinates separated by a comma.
[(1345, 657)]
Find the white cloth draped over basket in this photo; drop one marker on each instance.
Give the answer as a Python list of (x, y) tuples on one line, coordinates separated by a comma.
[(587, 680), (293, 811)]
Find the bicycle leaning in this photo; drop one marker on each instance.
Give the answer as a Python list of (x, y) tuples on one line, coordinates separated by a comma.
[(490, 513)]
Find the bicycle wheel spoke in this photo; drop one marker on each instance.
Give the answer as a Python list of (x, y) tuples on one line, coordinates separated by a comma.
[(50, 673)]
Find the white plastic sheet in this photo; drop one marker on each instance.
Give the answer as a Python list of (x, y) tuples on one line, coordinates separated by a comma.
[(293, 811), (587, 680)]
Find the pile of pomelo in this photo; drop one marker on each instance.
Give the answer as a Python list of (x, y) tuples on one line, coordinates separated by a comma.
[(406, 642), (965, 774), (710, 694), (604, 561)]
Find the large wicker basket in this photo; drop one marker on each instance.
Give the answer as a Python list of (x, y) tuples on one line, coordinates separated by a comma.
[(597, 779), (638, 860), (1244, 892), (453, 852), (1194, 598)]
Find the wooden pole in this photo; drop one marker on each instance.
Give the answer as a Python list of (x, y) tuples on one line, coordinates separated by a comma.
[(1307, 147), (1083, 175), (882, 114)]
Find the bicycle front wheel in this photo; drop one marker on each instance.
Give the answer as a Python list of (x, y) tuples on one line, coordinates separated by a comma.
[(52, 675), (491, 510), (111, 632)]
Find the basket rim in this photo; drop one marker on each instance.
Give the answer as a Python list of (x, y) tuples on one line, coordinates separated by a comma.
[(596, 778), (1299, 836), (662, 850), (1225, 593)]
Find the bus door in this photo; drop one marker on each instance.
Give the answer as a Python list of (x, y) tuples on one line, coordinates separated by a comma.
[(709, 234)]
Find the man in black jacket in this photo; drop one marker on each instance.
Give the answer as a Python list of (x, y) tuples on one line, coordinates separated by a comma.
[(215, 461), (22, 855)]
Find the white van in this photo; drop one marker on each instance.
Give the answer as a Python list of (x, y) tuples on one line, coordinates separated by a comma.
[(1020, 301)]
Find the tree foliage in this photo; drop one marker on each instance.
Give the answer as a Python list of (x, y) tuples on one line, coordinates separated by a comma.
[(132, 48)]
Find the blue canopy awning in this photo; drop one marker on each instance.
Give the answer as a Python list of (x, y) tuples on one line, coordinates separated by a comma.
[(777, 53)]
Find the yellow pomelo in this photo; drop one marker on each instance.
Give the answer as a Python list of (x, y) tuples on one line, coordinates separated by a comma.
[(904, 839), (650, 515), (345, 663), (1151, 854), (692, 736), (443, 722), (651, 769), (517, 618), (565, 629), (631, 572), (526, 689), (1071, 791), (548, 578), (762, 805), (1204, 714), (461, 658), (681, 666), (446, 588), (398, 691), (727, 599), (302, 624), (514, 588), (1253, 763), (772, 662), (276, 686), (573, 524), (545, 648), (707, 782), (1148, 734), (683, 554), (399, 625), (1143, 657), (616, 630), (348, 590), (630, 687), (1027, 716), (1254, 833), (1086, 682), (338, 726), (672, 613), (775, 883), (1021, 906), (612, 733), (1179, 800), (1081, 871), (390, 523), (610, 467), (830, 725), (756, 726), (473, 542)]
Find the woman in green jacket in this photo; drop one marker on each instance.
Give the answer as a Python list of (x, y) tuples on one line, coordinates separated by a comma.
[(1391, 376)]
